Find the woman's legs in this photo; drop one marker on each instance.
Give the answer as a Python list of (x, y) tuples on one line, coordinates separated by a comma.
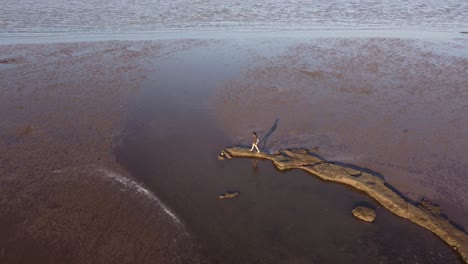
[(256, 147)]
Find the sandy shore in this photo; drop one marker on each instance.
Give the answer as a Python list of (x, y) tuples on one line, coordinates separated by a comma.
[(93, 136)]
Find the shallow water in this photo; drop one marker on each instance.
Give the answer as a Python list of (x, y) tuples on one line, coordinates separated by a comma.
[(54, 16), (171, 142)]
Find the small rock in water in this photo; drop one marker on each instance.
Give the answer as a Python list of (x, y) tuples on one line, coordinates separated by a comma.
[(364, 213), (229, 195)]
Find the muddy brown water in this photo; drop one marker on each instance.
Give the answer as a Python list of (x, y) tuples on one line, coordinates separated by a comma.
[(170, 144)]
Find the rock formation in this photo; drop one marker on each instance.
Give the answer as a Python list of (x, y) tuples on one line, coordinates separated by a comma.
[(364, 213), (229, 195), (362, 180)]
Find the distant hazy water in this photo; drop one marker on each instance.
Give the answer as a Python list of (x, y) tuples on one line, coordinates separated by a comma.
[(111, 16)]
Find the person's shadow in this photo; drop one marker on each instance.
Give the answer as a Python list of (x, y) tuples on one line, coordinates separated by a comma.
[(265, 138)]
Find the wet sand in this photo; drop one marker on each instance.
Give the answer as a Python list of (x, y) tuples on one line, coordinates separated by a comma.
[(64, 198), (80, 116), (396, 106)]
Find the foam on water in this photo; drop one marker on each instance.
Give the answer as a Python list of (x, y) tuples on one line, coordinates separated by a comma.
[(134, 186)]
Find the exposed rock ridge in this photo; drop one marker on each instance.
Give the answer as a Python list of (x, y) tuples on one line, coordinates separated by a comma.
[(422, 214)]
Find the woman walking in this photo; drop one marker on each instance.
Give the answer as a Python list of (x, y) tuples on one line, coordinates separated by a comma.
[(256, 140)]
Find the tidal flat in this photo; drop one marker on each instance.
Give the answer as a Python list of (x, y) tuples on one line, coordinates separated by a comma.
[(108, 149)]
